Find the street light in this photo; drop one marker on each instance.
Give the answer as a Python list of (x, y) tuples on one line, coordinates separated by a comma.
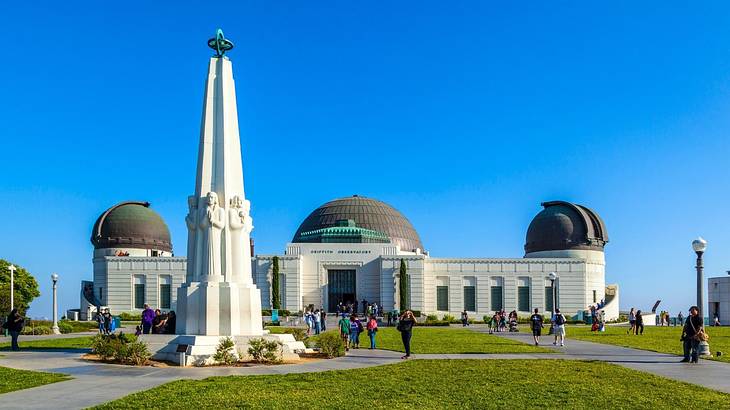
[(12, 268), (56, 331), (699, 245), (553, 276)]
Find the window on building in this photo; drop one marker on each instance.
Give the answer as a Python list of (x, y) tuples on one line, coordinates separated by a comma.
[(101, 295), (442, 298), (548, 298), (165, 292), (470, 298), (139, 296), (497, 294), (523, 294)]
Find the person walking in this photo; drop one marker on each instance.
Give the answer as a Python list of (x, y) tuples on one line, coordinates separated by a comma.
[(344, 325), (14, 324), (323, 319), (692, 334), (632, 322), (559, 328), (464, 319), (107, 321), (355, 329), (536, 323), (639, 326), (372, 330), (317, 322), (100, 322), (680, 318), (405, 327), (148, 316)]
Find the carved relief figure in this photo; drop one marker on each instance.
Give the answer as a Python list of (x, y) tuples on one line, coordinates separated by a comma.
[(212, 222), (191, 220), (239, 225)]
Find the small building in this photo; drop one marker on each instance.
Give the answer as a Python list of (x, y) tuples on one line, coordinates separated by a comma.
[(718, 299), (133, 262)]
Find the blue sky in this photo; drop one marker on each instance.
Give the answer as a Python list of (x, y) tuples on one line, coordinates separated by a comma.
[(464, 117)]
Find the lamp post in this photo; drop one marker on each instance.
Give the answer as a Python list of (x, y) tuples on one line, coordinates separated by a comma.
[(699, 245), (12, 268), (54, 278), (552, 276)]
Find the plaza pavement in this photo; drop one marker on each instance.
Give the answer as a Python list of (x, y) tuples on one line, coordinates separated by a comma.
[(96, 383)]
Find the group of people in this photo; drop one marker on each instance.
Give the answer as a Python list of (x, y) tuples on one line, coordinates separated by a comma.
[(351, 327), (157, 322), (636, 323), (365, 307), (105, 320), (316, 321), (557, 325), (500, 320)]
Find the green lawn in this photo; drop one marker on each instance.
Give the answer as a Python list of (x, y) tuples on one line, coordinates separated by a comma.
[(12, 379), (446, 340), (429, 384), (83, 342), (655, 338)]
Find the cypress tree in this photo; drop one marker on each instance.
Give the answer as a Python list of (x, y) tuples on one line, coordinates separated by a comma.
[(403, 286), (275, 296)]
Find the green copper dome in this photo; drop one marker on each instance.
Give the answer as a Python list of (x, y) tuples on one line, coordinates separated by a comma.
[(131, 225)]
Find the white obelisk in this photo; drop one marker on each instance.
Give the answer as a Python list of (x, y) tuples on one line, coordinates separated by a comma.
[(219, 297)]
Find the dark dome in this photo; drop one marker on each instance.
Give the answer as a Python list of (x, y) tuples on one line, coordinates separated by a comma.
[(367, 213), (562, 225), (131, 225)]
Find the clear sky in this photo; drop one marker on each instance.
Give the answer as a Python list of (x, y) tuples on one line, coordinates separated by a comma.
[(463, 116)]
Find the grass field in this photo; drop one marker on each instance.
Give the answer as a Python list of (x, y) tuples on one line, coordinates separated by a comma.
[(657, 339), (83, 342), (429, 384), (12, 379)]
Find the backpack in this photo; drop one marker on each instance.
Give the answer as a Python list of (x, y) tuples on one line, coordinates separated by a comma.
[(359, 326), (560, 320)]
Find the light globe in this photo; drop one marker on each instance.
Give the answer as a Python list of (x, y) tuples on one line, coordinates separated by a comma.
[(552, 276), (699, 244)]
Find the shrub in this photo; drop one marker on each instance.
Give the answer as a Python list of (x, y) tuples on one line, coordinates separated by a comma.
[(272, 323), (130, 317), (36, 330), (416, 313), (435, 323), (298, 333), (265, 312), (224, 353), (65, 327), (449, 318), (120, 348), (331, 344), (265, 351), (431, 318)]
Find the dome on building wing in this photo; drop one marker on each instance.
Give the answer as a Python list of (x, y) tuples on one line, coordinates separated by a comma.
[(366, 213), (565, 226), (131, 225)]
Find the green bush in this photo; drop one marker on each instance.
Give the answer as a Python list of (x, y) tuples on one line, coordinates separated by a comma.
[(224, 353), (299, 333), (416, 313), (272, 323), (130, 317), (265, 351), (265, 312), (449, 318), (431, 318), (435, 323), (36, 330), (65, 327), (120, 348), (331, 344)]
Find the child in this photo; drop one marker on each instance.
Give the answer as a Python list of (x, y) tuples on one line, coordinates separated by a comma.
[(138, 330)]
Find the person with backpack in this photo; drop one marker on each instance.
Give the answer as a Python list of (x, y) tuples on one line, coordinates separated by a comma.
[(14, 324), (372, 330), (536, 324), (355, 329), (344, 325), (405, 327), (692, 334), (559, 328)]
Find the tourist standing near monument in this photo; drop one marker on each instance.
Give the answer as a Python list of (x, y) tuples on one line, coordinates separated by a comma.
[(692, 333), (536, 323), (639, 324), (405, 327), (559, 328), (148, 316)]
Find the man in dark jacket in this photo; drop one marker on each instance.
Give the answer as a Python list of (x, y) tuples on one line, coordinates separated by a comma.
[(14, 324), (691, 342)]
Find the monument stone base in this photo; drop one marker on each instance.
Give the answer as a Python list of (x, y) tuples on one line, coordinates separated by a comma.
[(195, 350), (219, 308)]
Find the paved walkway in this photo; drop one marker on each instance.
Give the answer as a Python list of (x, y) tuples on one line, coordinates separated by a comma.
[(96, 383), (708, 373)]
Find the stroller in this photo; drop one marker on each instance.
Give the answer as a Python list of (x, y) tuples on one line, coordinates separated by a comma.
[(513, 325)]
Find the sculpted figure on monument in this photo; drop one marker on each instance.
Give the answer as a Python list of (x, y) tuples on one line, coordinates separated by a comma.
[(212, 222), (239, 225), (191, 220)]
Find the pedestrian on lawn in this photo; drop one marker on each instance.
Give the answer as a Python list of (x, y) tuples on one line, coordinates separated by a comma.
[(680, 319), (100, 322), (344, 325), (405, 327), (107, 321), (559, 328), (692, 334), (323, 319), (632, 322), (355, 329), (148, 316), (372, 330), (464, 319), (14, 324), (536, 323), (639, 326), (317, 318)]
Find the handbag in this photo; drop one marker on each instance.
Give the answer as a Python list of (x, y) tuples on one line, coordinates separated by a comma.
[(700, 334)]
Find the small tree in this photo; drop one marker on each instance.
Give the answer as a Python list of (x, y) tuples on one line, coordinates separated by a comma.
[(25, 285), (225, 353), (275, 297), (403, 286)]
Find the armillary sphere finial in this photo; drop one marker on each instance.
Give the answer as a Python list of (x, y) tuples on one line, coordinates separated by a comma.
[(220, 44)]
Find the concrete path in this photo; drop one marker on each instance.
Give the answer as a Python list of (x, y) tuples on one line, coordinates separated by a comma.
[(708, 373)]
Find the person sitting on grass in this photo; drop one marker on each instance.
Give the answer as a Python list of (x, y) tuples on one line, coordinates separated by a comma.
[(344, 325)]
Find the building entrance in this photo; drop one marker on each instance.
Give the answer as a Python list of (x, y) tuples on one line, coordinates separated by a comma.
[(341, 288)]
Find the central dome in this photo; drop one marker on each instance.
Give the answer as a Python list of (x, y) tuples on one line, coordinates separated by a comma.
[(131, 225), (367, 213)]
